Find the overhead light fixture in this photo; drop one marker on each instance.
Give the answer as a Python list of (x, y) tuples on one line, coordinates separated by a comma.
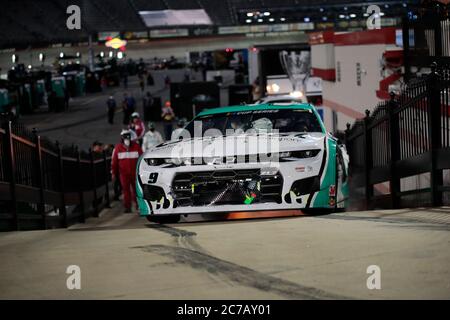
[(41, 57), (324, 18), (102, 54), (345, 8), (342, 16), (282, 19), (29, 66), (116, 43), (111, 54), (249, 14), (352, 15), (267, 13), (381, 14), (271, 19), (248, 20), (404, 5), (321, 9), (366, 14), (306, 19), (260, 20), (61, 55), (273, 88), (14, 58)]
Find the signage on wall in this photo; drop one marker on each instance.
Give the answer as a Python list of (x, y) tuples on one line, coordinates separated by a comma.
[(168, 33), (206, 31), (103, 36)]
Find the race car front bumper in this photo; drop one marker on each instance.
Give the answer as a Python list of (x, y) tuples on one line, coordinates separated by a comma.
[(225, 188)]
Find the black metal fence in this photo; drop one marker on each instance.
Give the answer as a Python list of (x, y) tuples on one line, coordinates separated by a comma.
[(426, 37), (401, 141), (44, 185)]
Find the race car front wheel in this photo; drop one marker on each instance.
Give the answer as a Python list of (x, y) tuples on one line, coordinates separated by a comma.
[(162, 219)]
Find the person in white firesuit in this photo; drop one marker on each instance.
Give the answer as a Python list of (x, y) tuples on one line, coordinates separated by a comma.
[(151, 138)]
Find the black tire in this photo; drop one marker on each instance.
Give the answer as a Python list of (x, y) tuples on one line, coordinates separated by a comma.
[(163, 219)]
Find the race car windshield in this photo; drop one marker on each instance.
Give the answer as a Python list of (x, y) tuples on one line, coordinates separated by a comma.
[(283, 121)]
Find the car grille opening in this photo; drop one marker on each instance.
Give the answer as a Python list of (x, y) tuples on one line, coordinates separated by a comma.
[(232, 187)]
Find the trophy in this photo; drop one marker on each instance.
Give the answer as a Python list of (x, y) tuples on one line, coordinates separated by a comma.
[(297, 66)]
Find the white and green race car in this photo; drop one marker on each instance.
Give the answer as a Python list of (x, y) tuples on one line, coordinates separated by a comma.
[(245, 158)]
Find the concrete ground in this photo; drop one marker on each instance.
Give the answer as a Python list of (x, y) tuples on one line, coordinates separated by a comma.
[(122, 256), (86, 119)]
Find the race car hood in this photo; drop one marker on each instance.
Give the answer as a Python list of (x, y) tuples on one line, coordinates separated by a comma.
[(238, 145)]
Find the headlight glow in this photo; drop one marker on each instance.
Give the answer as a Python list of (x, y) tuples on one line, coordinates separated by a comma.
[(296, 94), (154, 161), (302, 154)]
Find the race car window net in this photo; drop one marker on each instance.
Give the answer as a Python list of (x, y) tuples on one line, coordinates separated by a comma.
[(284, 121)]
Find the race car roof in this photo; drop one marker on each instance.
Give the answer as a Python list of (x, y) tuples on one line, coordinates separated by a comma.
[(254, 107)]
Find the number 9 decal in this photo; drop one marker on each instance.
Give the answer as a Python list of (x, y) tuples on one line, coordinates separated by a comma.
[(153, 177)]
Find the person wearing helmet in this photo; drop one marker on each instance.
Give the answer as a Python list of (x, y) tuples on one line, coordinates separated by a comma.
[(124, 161), (179, 130), (151, 138), (138, 126)]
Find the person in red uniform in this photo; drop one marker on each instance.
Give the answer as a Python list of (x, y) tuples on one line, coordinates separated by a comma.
[(124, 161), (138, 126)]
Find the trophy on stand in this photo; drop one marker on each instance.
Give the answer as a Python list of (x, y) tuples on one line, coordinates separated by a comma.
[(297, 66)]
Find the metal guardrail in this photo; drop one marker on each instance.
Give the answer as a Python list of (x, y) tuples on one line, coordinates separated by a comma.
[(41, 180), (406, 136)]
